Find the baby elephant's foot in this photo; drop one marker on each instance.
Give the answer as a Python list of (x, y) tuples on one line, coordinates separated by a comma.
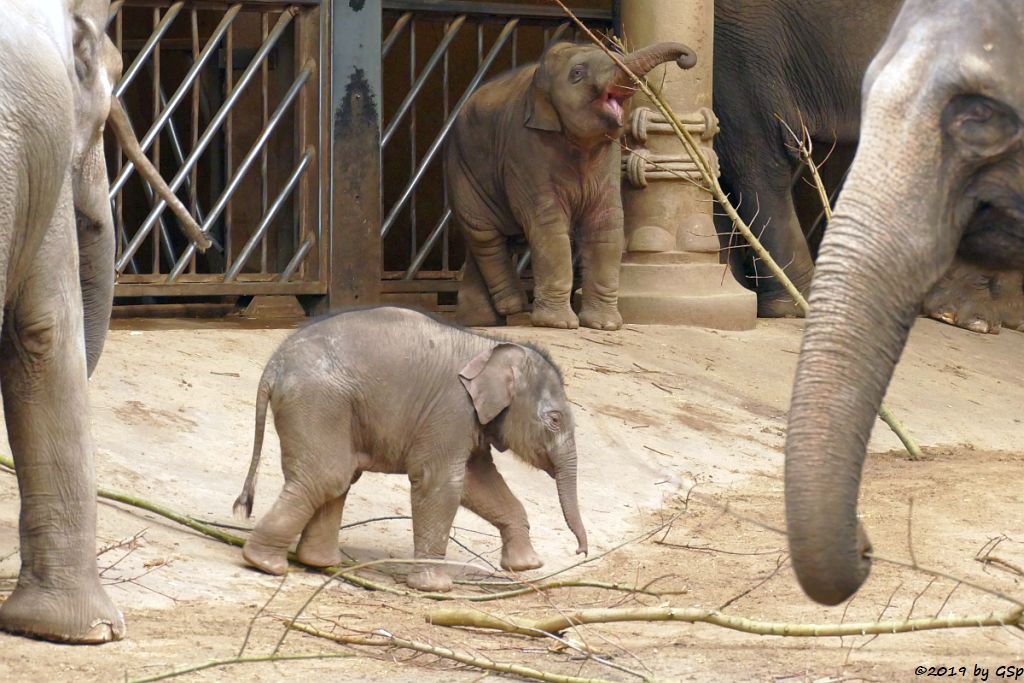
[(266, 558), (85, 615), (560, 317), (600, 317), (518, 555), (430, 581), (319, 554), (511, 303)]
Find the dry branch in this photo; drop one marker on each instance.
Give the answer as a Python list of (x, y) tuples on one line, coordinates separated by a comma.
[(693, 615), (712, 185)]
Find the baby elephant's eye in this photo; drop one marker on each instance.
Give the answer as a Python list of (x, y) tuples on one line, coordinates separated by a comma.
[(577, 73), (553, 420)]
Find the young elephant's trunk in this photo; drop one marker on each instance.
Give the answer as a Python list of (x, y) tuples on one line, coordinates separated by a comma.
[(565, 480), (643, 60)]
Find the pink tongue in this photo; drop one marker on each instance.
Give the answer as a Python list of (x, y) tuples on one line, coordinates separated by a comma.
[(616, 107)]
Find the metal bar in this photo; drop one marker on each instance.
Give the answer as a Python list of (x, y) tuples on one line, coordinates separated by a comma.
[(557, 35), (412, 139), (415, 88), (524, 261), (264, 120), (439, 141), (157, 236), (352, 244), (269, 216), (428, 245), (179, 94), (193, 183), (296, 261), (229, 138), (204, 141), (500, 10), (395, 33), (147, 49), (179, 157), (255, 151)]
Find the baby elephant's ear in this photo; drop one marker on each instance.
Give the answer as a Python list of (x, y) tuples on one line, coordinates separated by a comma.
[(540, 112), (490, 379)]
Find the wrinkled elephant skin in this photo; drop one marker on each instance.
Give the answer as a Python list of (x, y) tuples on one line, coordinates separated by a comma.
[(391, 390), (535, 152), (939, 174)]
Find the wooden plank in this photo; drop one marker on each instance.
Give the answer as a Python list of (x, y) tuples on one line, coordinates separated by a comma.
[(219, 289)]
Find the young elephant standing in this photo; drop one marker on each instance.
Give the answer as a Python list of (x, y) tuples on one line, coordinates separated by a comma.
[(392, 390), (533, 153)]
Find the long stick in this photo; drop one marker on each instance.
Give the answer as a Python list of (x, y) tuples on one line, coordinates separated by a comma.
[(718, 193), (692, 615)]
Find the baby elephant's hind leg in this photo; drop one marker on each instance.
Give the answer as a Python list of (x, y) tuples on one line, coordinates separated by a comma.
[(318, 546)]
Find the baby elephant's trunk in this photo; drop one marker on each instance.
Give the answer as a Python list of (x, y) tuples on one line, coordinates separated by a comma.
[(565, 480), (643, 60)]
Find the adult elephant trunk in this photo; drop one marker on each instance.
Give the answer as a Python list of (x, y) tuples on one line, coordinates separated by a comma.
[(892, 237), (643, 60), (565, 481)]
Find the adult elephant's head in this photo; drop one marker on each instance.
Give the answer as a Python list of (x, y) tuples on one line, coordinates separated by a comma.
[(96, 70), (580, 91), (940, 168)]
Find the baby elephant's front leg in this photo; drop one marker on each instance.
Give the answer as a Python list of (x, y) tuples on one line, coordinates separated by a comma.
[(487, 494), (435, 500)]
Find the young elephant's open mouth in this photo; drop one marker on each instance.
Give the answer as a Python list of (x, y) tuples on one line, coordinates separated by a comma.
[(613, 103)]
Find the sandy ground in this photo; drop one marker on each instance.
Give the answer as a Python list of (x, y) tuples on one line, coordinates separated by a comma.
[(659, 408)]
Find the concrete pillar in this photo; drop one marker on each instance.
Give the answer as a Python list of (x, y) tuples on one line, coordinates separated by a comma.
[(671, 272)]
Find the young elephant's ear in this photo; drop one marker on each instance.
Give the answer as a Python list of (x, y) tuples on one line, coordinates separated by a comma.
[(540, 112), (490, 379)]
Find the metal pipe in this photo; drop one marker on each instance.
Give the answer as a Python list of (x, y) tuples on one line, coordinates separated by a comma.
[(148, 48), (211, 131), (254, 152), (524, 261), (395, 32), (439, 141), (272, 211), (494, 9), (296, 261), (424, 251), (428, 69), (179, 157), (179, 94)]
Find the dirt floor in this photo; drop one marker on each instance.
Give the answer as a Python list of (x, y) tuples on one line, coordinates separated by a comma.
[(659, 409)]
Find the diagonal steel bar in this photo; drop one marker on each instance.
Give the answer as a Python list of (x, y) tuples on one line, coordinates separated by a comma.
[(428, 69), (147, 49), (243, 168), (435, 147), (296, 261), (395, 32), (183, 89), (425, 250), (272, 211), (211, 131), (179, 155)]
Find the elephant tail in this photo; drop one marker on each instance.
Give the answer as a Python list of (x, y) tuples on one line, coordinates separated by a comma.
[(243, 504)]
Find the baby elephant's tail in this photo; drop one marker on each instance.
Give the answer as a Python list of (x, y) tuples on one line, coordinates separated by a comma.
[(243, 504)]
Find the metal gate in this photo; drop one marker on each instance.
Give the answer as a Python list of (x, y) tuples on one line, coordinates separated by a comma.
[(225, 97), (305, 137)]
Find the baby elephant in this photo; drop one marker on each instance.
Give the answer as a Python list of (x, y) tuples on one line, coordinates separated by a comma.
[(391, 390)]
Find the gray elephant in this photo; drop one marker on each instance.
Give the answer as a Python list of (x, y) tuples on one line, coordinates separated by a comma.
[(535, 153), (939, 173), (392, 390), (57, 69), (794, 60)]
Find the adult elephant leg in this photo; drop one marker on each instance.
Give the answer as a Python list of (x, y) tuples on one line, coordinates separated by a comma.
[(1008, 294), (436, 492), (601, 253), (486, 494), (43, 374), (963, 297), (475, 308), (552, 273), (318, 545)]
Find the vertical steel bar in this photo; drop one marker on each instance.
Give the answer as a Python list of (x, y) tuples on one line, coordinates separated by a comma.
[(444, 179), (193, 190), (355, 177), (412, 140), (264, 115), (229, 139), (158, 234)]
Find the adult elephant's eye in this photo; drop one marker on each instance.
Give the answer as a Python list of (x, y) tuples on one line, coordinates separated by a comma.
[(577, 73), (983, 126)]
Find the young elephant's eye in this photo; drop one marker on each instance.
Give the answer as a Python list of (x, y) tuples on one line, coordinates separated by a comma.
[(553, 420), (577, 73)]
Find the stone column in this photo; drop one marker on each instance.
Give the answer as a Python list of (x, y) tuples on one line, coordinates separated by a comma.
[(671, 272)]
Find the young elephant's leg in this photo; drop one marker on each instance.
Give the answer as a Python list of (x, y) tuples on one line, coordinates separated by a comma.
[(475, 308), (46, 407), (315, 474), (552, 273), (487, 494), (601, 253), (318, 546), (436, 492), (489, 248)]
